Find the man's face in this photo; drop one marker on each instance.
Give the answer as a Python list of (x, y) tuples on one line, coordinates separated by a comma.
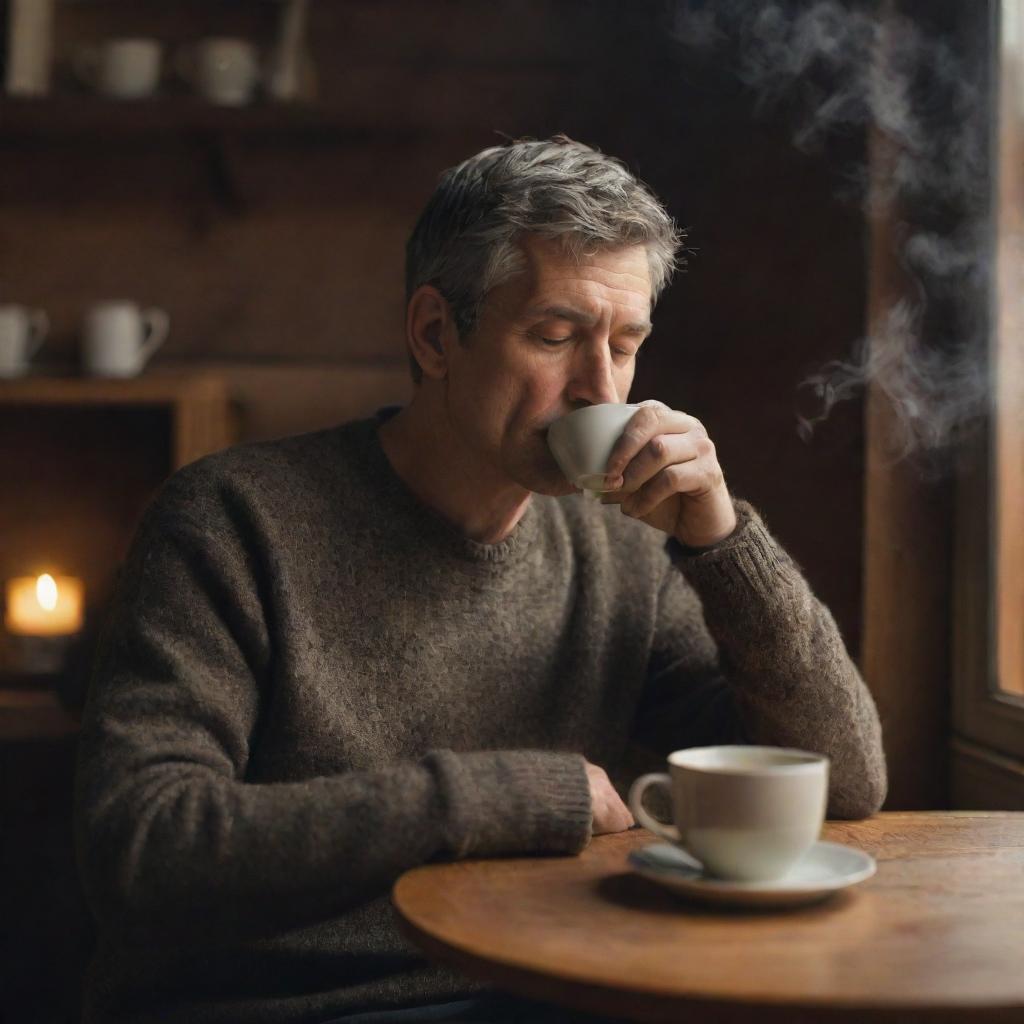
[(555, 338)]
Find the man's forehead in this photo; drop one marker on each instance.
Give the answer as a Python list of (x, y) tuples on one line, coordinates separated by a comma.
[(554, 278), (578, 312)]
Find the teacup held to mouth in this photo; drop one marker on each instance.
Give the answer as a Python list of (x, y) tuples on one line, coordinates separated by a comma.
[(582, 442)]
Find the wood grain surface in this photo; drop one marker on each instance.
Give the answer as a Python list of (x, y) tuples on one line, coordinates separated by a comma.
[(937, 934)]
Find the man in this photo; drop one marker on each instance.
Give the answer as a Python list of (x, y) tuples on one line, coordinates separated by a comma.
[(339, 655)]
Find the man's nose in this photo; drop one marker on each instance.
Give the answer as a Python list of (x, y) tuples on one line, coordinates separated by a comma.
[(593, 381)]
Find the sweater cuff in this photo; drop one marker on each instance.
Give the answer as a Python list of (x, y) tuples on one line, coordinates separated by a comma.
[(749, 559), (500, 802)]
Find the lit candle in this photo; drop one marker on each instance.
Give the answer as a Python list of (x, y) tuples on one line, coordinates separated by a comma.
[(44, 605)]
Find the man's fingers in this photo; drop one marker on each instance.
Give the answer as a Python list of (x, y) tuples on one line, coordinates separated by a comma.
[(612, 819), (700, 476), (662, 450), (609, 813), (649, 421)]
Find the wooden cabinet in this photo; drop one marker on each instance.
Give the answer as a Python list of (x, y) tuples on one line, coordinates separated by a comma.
[(80, 460), (195, 406)]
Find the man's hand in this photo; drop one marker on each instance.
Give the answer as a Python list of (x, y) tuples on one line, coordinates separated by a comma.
[(609, 812), (664, 472)]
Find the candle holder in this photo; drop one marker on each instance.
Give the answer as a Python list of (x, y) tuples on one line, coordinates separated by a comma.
[(43, 618), (38, 655)]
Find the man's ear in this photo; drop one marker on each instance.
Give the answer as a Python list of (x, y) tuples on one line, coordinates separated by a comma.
[(430, 330)]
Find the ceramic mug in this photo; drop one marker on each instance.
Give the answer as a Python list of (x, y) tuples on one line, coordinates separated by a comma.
[(22, 333), (222, 70), (582, 442), (746, 813), (121, 68), (118, 338)]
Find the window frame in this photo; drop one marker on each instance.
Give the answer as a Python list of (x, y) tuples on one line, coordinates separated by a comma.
[(988, 721)]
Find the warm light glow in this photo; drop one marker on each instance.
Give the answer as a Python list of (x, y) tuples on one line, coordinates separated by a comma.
[(46, 591), (44, 605)]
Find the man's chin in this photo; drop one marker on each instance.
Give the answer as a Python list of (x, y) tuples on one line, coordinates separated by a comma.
[(538, 471)]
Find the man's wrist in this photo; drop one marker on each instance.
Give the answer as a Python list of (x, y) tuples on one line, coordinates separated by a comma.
[(724, 524), (750, 550)]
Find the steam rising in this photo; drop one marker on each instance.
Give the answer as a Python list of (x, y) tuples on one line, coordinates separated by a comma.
[(841, 69)]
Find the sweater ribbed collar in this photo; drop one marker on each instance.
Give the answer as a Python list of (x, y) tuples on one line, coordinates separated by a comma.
[(429, 525)]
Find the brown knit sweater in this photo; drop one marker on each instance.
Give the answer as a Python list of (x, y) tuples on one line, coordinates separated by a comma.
[(310, 682)]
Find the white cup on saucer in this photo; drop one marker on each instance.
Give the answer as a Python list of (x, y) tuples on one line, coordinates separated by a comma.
[(747, 813)]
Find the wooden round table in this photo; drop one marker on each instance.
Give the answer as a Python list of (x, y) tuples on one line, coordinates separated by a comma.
[(937, 934)]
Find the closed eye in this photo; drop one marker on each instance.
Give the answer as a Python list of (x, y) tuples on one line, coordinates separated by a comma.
[(555, 342)]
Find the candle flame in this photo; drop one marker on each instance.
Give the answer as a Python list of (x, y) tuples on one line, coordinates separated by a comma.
[(46, 592)]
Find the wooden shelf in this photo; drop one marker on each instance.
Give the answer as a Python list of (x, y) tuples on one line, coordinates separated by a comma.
[(198, 404), (46, 389), (88, 118), (34, 714)]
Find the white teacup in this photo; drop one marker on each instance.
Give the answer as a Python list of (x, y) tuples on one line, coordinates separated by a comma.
[(222, 70), (118, 338), (582, 442), (121, 68), (746, 813), (22, 333)]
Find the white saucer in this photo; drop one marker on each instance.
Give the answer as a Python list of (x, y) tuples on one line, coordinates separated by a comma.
[(824, 869)]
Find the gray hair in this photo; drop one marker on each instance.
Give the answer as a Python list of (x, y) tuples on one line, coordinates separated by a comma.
[(464, 243)]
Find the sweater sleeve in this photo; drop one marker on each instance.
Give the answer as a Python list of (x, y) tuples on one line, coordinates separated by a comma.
[(172, 840), (763, 663)]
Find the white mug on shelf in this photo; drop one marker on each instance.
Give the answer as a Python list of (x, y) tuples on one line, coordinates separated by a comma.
[(222, 70), (118, 338), (22, 333), (124, 69)]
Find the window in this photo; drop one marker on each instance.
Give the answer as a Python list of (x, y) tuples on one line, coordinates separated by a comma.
[(989, 613)]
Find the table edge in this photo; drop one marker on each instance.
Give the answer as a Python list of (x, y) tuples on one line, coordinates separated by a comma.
[(597, 998)]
